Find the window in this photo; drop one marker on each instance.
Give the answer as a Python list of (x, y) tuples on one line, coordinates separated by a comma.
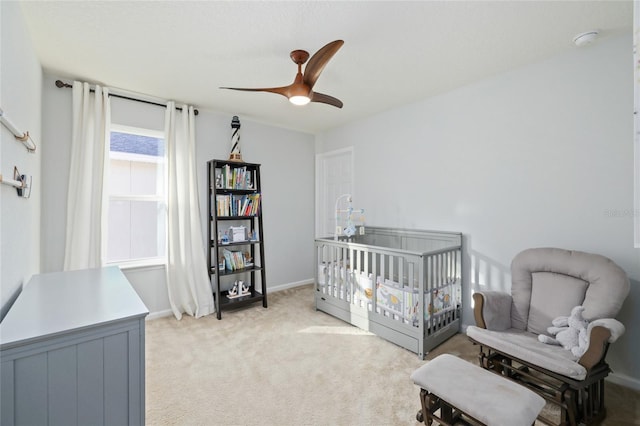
[(137, 215)]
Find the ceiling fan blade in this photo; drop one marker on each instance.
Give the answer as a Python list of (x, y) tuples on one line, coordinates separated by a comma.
[(319, 60), (326, 99), (284, 91)]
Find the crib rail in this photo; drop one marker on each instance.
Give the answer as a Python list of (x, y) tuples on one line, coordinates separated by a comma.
[(409, 296)]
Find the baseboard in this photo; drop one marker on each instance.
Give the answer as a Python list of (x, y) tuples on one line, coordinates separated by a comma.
[(624, 380), (159, 314), (291, 285)]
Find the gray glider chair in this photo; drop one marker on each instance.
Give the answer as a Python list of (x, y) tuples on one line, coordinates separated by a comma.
[(547, 283)]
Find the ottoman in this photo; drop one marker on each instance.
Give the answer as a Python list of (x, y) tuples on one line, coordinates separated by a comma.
[(464, 391)]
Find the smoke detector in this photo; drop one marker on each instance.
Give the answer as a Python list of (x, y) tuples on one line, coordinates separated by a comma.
[(585, 38)]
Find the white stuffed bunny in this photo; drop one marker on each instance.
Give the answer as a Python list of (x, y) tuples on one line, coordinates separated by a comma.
[(570, 332), (583, 343)]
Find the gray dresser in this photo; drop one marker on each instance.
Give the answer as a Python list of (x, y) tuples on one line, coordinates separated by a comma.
[(72, 351)]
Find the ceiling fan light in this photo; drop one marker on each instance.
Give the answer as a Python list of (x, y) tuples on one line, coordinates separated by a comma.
[(299, 100)]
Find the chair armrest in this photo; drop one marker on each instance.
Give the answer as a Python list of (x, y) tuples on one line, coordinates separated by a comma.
[(492, 310), (601, 333)]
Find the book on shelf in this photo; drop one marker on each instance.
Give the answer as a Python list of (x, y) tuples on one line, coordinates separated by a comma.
[(228, 177), (235, 260), (237, 205)]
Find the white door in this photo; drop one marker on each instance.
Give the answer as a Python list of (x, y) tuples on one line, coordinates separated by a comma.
[(334, 177)]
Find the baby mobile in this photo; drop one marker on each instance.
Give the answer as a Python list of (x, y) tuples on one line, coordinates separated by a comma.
[(350, 229)]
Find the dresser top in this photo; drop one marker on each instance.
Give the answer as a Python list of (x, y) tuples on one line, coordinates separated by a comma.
[(63, 302)]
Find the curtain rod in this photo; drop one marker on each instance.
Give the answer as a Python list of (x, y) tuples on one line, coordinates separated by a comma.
[(61, 84)]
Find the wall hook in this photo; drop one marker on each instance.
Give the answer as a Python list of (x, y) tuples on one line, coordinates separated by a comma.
[(21, 182)]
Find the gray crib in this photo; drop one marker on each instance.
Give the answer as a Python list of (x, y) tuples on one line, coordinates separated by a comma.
[(402, 285)]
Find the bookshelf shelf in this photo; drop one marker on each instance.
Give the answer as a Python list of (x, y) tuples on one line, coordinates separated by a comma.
[(233, 217), (238, 243), (236, 249), (237, 271)]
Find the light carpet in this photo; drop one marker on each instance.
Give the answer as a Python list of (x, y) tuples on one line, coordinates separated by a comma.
[(292, 365)]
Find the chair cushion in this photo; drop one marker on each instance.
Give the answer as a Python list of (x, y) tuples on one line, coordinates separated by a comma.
[(553, 295), (525, 346), (608, 284)]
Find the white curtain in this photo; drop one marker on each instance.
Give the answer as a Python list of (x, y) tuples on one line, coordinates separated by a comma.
[(187, 277), (86, 196)]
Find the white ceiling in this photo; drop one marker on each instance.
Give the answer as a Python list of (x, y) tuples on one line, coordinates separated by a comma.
[(395, 52)]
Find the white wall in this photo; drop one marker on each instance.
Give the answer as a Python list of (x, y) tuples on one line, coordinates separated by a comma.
[(287, 160), (20, 99), (540, 156)]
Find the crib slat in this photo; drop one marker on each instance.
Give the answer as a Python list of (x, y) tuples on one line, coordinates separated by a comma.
[(374, 269), (411, 276)]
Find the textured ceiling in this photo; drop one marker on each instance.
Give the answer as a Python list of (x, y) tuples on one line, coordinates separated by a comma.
[(395, 52)]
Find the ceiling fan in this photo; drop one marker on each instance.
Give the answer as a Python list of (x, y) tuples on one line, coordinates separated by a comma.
[(300, 91)]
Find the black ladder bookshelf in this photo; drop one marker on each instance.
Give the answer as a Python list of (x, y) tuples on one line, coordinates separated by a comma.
[(235, 235)]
